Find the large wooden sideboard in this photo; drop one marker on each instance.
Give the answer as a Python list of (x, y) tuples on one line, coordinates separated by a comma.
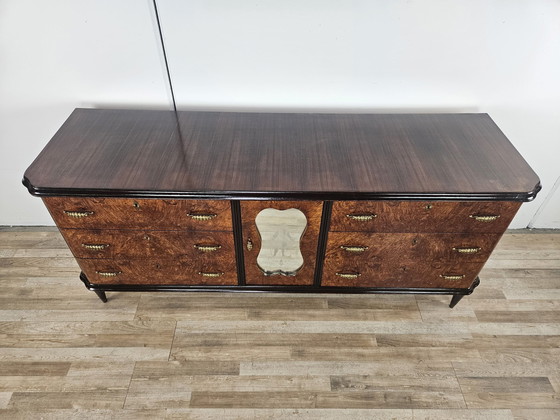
[(344, 203)]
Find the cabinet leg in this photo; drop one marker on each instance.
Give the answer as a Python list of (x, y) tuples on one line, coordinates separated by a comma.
[(101, 295), (455, 300)]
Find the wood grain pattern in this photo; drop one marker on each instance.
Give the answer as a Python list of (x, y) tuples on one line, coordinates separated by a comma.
[(100, 150), (127, 213), (63, 354), (150, 244), (408, 247), (422, 216), (160, 271), (399, 273), (136, 156), (254, 275)]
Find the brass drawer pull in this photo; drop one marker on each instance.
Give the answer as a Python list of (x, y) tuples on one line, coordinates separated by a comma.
[(452, 276), (78, 214), (354, 248), (216, 274), (467, 250), (207, 248), (200, 216), (349, 275), (484, 218), (95, 247), (249, 244), (362, 217), (109, 273)]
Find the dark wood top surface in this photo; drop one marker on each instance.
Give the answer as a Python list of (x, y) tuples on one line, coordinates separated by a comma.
[(267, 155)]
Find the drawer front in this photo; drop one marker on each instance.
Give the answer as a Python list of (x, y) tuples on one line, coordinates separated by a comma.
[(158, 271), (393, 247), (110, 243), (423, 216), (128, 213), (400, 274)]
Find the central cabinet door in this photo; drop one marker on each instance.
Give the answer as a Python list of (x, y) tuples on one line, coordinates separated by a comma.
[(280, 241)]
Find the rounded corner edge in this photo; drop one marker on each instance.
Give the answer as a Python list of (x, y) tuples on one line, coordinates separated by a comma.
[(30, 187), (531, 195)]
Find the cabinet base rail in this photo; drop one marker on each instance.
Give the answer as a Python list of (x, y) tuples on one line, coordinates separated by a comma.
[(100, 289)]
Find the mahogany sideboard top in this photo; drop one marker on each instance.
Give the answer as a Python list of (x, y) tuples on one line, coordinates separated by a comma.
[(159, 154)]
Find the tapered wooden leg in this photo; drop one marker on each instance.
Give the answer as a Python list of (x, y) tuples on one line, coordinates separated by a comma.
[(101, 295), (455, 300)]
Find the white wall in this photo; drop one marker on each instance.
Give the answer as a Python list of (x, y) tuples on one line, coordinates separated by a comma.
[(55, 56), (548, 214), (495, 56)]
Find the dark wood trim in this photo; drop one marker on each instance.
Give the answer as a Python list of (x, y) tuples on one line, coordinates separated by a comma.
[(458, 296), (280, 195), (322, 245), (238, 241), (280, 289), (101, 294)]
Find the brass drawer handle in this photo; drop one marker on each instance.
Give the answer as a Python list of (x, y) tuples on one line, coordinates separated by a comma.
[(109, 273), (249, 244), (362, 217), (78, 214), (200, 216), (95, 247), (207, 248), (484, 218), (452, 276), (467, 250), (349, 275), (354, 248), (206, 274)]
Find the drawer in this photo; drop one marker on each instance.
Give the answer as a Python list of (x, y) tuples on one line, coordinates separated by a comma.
[(400, 274), (423, 216), (128, 213), (111, 243), (158, 271), (365, 246)]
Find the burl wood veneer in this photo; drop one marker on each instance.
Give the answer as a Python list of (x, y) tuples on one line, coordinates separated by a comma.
[(144, 243), (422, 216), (404, 203), (70, 212), (308, 245)]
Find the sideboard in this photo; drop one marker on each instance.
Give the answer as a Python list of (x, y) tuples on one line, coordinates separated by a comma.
[(307, 202)]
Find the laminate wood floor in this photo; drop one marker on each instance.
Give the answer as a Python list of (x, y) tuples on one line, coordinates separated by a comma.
[(65, 354)]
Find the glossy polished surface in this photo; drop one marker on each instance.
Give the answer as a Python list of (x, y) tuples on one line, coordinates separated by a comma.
[(280, 232), (312, 210), (127, 213), (318, 156)]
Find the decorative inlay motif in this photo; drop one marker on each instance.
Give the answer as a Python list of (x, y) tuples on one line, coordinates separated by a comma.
[(281, 232)]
